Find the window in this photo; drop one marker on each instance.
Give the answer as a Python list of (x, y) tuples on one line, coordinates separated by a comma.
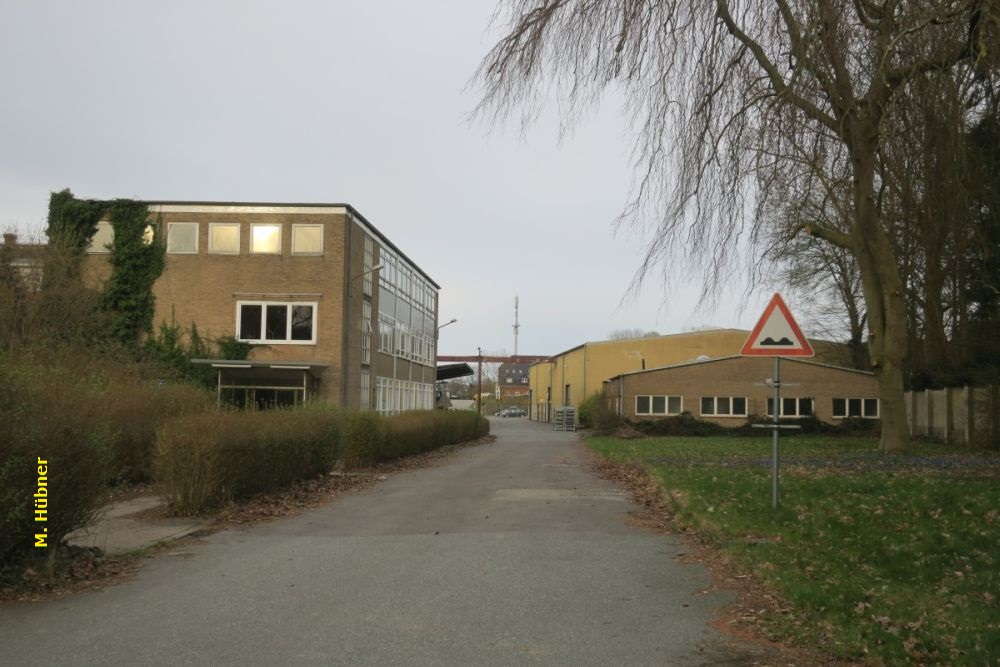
[(224, 238), (307, 240), (182, 238), (366, 332), (265, 239), (366, 389), (724, 406), (865, 408), (271, 322), (103, 237), (658, 405), (369, 265), (385, 334), (566, 395), (792, 407)]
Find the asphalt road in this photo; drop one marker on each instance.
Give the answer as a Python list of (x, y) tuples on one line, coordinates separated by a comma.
[(511, 553)]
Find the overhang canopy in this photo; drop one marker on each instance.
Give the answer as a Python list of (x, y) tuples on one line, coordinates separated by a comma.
[(452, 371), (313, 368)]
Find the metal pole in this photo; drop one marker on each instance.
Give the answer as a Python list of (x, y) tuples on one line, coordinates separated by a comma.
[(479, 392), (774, 453)]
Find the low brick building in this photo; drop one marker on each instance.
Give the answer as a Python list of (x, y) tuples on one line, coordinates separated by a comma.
[(333, 307), (728, 390)]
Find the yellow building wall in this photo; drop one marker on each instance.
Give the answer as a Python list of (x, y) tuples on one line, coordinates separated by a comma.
[(539, 384), (586, 367)]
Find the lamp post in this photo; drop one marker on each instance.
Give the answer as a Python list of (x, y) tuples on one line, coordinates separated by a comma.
[(479, 391), (345, 383), (451, 321)]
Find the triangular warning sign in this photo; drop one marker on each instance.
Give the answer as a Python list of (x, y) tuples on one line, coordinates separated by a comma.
[(777, 334)]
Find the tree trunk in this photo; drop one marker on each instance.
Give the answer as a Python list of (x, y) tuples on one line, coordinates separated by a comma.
[(885, 298)]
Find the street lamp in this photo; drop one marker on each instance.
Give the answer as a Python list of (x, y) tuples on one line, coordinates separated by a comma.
[(451, 321), (345, 377), (367, 271)]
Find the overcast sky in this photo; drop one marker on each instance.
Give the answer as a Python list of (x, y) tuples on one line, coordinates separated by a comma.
[(365, 103)]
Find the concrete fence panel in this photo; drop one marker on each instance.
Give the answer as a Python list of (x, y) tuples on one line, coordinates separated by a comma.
[(961, 415)]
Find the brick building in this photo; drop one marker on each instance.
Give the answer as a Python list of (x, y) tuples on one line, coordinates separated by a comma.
[(728, 390), (512, 380), (334, 308)]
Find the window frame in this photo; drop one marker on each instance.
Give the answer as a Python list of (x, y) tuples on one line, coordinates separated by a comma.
[(92, 248), (311, 253), (862, 403), (798, 407), (666, 405), (732, 406), (255, 225), (197, 237), (288, 325), (212, 250)]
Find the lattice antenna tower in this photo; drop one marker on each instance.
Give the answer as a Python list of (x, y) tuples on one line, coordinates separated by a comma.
[(517, 325)]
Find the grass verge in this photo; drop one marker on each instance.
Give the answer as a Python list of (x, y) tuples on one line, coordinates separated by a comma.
[(888, 558)]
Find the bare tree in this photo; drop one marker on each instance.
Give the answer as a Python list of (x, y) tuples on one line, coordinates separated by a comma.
[(626, 334), (724, 92)]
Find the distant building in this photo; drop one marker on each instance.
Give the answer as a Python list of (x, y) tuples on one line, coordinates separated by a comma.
[(569, 377), (26, 259), (513, 380)]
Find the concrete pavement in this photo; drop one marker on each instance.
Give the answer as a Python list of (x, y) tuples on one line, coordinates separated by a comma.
[(132, 524), (509, 553)]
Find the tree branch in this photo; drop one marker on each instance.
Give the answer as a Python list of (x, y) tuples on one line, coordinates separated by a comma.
[(777, 82)]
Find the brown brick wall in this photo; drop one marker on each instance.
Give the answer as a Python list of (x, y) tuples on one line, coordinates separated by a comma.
[(744, 376), (204, 288)]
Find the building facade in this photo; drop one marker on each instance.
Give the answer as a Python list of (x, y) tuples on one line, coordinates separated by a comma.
[(512, 380), (568, 378), (729, 390), (333, 308)]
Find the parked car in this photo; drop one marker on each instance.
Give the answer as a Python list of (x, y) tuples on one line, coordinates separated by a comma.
[(512, 412)]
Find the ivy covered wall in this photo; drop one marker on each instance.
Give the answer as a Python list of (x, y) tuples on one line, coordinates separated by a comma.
[(137, 258)]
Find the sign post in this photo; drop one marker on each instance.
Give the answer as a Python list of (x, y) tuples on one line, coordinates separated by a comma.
[(776, 335)]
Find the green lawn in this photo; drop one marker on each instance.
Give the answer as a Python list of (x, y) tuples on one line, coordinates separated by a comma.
[(891, 557)]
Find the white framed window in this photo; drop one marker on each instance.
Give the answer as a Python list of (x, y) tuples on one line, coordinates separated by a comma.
[(265, 239), (369, 264), (366, 389), (366, 332), (307, 239), (276, 322), (865, 408), (659, 405), (792, 407), (385, 329), (182, 238), (724, 406), (102, 238), (224, 238)]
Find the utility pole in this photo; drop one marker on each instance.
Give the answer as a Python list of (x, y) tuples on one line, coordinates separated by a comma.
[(479, 392)]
